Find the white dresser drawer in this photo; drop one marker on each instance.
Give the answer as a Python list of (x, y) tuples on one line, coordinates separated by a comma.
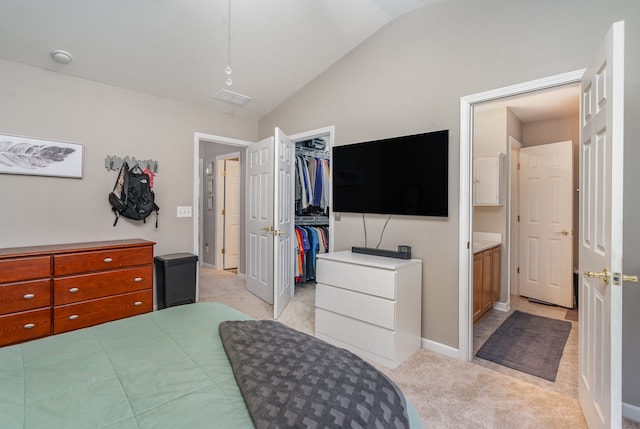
[(370, 309), (359, 278), (375, 339)]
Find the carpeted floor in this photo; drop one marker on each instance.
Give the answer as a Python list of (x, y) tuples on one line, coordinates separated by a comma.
[(446, 392)]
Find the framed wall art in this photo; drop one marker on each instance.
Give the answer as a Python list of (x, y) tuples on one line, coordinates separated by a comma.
[(26, 155)]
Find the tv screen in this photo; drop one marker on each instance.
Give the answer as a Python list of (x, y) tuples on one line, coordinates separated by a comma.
[(405, 175)]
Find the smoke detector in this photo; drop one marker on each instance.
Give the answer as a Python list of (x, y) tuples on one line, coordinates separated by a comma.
[(61, 57)]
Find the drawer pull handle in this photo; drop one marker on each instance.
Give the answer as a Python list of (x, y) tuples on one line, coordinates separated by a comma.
[(137, 303), (29, 296), (107, 260), (137, 279), (73, 317), (73, 290), (29, 326)]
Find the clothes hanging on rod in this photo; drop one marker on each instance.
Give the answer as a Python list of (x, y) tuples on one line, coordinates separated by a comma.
[(311, 240), (312, 185)]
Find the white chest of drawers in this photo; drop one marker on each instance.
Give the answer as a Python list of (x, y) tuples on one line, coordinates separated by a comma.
[(370, 305)]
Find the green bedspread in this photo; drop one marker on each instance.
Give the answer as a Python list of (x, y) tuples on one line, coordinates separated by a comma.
[(166, 369)]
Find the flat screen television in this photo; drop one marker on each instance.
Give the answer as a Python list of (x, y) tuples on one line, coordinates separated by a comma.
[(405, 175)]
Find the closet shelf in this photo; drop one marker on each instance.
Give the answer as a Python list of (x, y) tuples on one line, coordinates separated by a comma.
[(312, 220), (316, 153)]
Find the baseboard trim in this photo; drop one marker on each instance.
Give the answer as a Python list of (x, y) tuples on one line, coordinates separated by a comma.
[(440, 348), (631, 412), (502, 306)]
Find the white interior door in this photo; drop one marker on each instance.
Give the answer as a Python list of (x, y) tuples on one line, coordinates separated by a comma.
[(260, 217), (231, 213), (601, 180), (283, 246), (546, 213)]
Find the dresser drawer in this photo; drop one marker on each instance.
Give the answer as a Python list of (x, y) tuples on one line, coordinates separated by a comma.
[(90, 286), (370, 309), (25, 325), (372, 338), (25, 296), (85, 262), (88, 313), (359, 278), (19, 269)]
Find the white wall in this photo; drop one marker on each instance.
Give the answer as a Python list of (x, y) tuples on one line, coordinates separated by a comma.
[(409, 78), (107, 121)]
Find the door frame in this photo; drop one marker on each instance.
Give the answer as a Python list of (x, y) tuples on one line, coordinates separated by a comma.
[(197, 189), (465, 256), (220, 193), (513, 229)]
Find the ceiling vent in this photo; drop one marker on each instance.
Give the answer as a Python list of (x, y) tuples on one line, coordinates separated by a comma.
[(232, 97)]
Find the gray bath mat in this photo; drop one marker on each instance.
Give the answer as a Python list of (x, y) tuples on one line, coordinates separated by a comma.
[(528, 343)]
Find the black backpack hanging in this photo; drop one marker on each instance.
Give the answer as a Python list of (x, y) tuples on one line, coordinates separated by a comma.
[(132, 196)]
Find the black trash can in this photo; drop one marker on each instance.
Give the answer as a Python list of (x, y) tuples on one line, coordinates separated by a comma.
[(175, 279)]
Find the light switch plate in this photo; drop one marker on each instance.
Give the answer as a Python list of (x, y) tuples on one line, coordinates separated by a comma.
[(184, 211)]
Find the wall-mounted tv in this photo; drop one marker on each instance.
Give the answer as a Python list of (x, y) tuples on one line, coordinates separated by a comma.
[(405, 175)]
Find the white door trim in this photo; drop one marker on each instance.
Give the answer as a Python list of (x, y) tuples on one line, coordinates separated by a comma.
[(465, 259), (513, 229)]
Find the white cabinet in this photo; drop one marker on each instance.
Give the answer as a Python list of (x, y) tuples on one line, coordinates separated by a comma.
[(370, 305), (488, 180)]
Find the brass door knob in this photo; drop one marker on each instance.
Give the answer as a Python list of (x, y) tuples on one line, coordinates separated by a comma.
[(604, 275)]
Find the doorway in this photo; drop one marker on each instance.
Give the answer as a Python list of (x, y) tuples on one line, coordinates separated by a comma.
[(206, 148), (526, 131), (536, 119), (468, 106)]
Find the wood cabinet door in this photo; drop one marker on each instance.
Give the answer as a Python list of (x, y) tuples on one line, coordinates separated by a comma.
[(477, 286), (487, 278), (495, 273)]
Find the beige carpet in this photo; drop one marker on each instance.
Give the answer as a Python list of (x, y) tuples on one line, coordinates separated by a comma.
[(446, 392)]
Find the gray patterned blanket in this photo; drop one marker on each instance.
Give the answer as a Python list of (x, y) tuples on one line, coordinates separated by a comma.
[(291, 379)]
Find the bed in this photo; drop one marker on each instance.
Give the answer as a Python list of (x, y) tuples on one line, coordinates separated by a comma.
[(165, 369)]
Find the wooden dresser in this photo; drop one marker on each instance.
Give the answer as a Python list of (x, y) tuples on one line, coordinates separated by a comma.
[(51, 289)]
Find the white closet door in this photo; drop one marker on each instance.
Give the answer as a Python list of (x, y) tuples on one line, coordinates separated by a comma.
[(259, 207), (283, 245)]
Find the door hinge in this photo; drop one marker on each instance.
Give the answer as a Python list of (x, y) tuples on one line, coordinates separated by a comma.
[(518, 166), (222, 251), (224, 212), (224, 173), (518, 218), (518, 270)]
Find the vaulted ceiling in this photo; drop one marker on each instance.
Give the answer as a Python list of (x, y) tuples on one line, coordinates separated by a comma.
[(178, 49)]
